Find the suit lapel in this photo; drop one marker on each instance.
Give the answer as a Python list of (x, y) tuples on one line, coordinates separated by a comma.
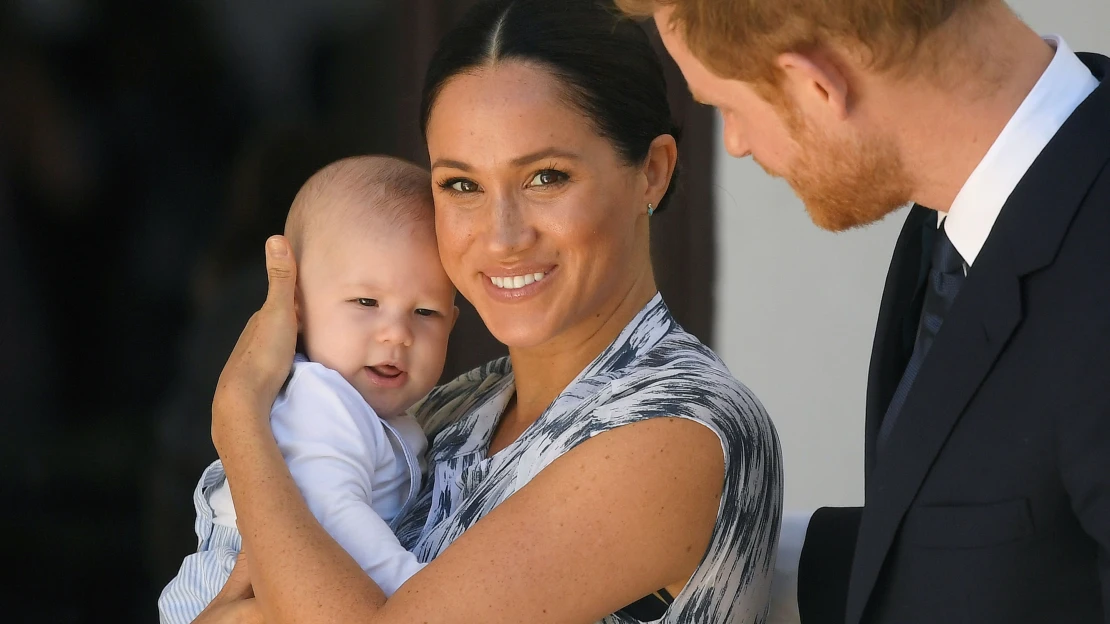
[(973, 335), (1026, 237), (897, 323)]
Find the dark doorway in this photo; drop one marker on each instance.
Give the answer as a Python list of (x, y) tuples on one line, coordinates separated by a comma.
[(147, 149)]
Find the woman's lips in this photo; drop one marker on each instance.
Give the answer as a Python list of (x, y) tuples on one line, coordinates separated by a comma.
[(386, 376), (518, 285)]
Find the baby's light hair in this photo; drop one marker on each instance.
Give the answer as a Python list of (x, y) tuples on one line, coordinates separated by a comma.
[(361, 191)]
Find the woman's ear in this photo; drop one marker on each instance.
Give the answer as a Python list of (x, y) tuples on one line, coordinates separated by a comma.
[(659, 168)]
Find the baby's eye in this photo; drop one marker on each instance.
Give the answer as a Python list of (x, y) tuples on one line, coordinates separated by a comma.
[(461, 185), (426, 312), (368, 303), (548, 176)]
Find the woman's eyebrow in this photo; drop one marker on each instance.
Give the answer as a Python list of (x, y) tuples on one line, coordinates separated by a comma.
[(551, 152), (451, 164), (527, 159)]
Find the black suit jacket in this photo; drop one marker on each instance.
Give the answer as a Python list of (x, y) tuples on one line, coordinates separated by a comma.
[(991, 501)]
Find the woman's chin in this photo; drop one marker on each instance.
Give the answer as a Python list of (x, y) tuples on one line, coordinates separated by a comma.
[(518, 331)]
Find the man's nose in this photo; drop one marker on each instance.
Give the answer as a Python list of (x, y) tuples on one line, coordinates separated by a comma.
[(737, 146)]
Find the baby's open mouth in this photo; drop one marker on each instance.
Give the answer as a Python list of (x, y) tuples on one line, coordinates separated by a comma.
[(386, 370)]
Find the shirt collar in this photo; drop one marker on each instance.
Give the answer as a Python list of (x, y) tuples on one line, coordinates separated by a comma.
[(1061, 89)]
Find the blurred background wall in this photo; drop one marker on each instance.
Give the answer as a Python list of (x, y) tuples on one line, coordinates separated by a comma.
[(147, 149)]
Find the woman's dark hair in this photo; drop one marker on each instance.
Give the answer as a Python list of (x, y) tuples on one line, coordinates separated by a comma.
[(605, 61)]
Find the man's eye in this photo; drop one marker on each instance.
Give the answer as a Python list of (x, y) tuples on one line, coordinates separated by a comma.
[(548, 176), (368, 303), (426, 312)]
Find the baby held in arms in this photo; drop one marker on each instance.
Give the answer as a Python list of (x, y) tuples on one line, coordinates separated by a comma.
[(375, 310)]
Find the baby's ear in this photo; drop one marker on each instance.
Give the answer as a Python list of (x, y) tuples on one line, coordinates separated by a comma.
[(454, 316)]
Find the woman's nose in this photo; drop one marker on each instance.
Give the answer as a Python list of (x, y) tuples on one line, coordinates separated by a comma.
[(509, 232)]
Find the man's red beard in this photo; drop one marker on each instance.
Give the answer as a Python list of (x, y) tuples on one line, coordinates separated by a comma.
[(844, 185)]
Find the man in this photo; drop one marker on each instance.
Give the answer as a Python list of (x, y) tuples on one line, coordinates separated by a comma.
[(988, 401)]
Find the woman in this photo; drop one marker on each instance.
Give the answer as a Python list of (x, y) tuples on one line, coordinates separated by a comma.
[(611, 462)]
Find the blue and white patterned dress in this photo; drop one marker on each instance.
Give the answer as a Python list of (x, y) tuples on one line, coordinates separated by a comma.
[(653, 369)]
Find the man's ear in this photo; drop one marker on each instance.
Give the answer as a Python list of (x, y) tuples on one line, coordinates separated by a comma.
[(817, 82)]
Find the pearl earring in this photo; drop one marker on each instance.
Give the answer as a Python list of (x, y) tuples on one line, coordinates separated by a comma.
[(651, 210)]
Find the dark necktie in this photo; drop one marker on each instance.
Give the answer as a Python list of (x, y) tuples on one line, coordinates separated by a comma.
[(945, 278)]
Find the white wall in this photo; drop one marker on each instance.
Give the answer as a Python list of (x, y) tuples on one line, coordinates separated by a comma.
[(796, 306)]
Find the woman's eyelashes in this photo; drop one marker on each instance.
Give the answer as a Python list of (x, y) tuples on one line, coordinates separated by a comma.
[(461, 186), (543, 178), (548, 177)]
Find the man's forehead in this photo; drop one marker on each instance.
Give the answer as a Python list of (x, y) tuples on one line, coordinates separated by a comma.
[(692, 68)]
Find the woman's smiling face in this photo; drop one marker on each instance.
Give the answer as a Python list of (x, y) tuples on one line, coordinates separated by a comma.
[(539, 219)]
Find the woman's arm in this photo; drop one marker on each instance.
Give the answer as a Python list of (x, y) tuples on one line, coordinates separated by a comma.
[(626, 513), (618, 517)]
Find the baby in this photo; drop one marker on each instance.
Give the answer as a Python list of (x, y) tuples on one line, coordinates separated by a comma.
[(375, 309)]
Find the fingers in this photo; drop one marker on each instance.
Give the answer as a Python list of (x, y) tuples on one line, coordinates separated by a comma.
[(239, 612), (281, 271), (235, 604), (240, 593), (238, 586), (246, 612)]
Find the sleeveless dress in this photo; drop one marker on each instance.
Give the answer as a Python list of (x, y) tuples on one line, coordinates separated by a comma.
[(653, 369)]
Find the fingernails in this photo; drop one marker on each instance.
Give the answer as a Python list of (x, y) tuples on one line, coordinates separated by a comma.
[(276, 248)]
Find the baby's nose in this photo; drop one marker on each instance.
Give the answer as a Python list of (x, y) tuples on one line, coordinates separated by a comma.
[(396, 331)]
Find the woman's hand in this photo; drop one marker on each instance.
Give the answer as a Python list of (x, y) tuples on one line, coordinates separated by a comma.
[(235, 604), (263, 356)]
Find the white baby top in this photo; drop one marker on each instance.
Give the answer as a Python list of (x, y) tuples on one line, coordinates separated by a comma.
[(356, 471)]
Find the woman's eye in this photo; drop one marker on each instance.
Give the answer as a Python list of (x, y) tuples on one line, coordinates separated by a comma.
[(367, 303), (548, 176), (461, 185), (426, 312)]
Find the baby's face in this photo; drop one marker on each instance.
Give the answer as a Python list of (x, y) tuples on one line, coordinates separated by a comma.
[(377, 308)]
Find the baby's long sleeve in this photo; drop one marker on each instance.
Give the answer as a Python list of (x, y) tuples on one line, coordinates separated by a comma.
[(338, 452)]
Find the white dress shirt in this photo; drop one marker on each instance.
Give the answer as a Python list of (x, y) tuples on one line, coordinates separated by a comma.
[(1059, 91)]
